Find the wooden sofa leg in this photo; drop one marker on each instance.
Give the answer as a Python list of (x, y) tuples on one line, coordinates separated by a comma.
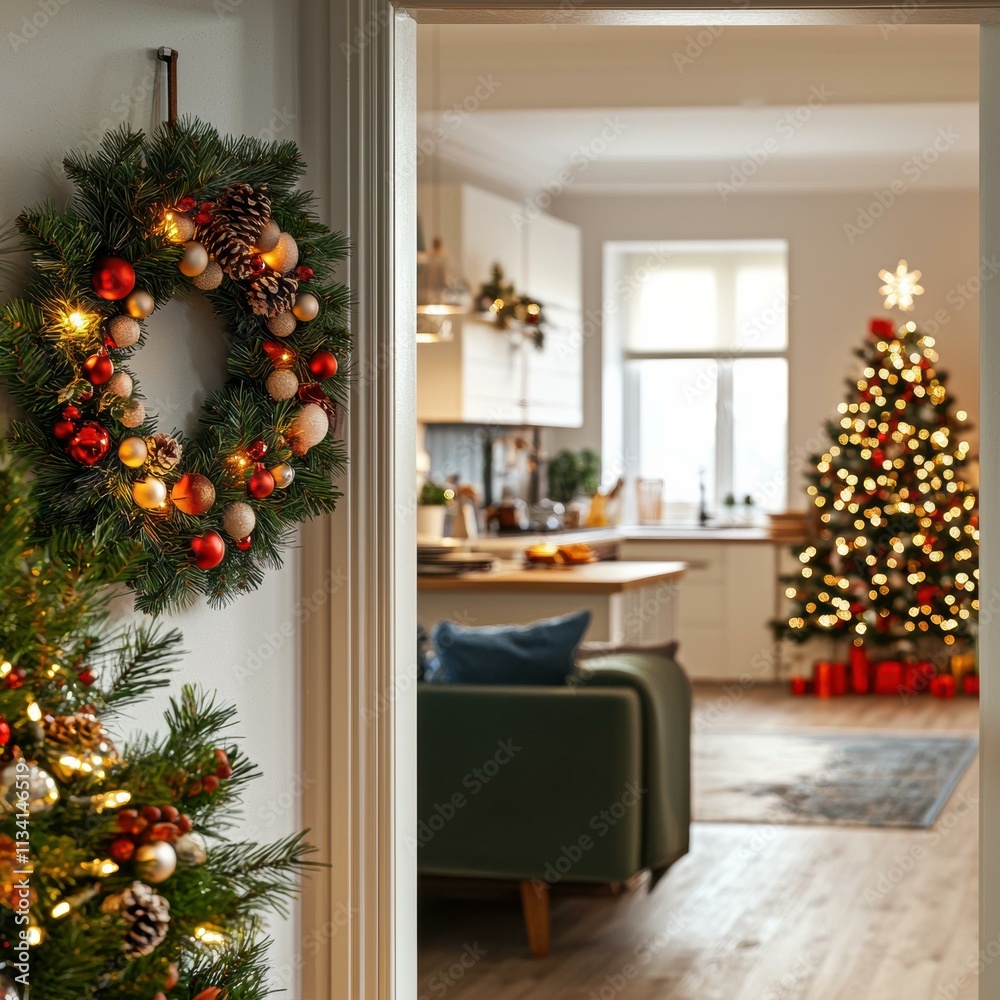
[(535, 903)]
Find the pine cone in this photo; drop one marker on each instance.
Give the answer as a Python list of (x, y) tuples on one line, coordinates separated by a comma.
[(80, 731), (164, 453), (149, 916), (230, 252), (247, 209), (272, 293)]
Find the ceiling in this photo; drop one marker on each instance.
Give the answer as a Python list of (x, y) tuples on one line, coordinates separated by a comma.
[(672, 110)]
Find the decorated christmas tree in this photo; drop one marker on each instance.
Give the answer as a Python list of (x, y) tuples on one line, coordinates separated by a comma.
[(117, 877), (894, 552)]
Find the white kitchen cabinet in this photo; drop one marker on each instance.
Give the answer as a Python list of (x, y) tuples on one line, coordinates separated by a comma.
[(485, 375)]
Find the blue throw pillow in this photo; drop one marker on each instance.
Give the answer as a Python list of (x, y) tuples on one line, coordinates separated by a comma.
[(540, 653)]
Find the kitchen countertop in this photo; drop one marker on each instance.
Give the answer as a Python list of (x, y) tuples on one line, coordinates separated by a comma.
[(589, 578)]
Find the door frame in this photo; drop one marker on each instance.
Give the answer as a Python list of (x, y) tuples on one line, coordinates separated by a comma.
[(358, 81)]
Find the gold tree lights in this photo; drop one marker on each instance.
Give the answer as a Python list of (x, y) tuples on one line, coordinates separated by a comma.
[(895, 547)]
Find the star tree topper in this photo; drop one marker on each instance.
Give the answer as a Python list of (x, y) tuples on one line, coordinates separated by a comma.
[(900, 287)]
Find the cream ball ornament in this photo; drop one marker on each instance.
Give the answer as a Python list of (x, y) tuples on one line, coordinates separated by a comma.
[(123, 330), (120, 384), (149, 493), (155, 861), (269, 237), (238, 520), (27, 778), (133, 412), (191, 849), (194, 259), (284, 256), (133, 452), (210, 278), (306, 307), (139, 305), (282, 325), (282, 384), (308, 428)]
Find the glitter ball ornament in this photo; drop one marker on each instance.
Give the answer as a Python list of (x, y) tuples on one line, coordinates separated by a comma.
[(194, 259), (20, 778), (149, 493), (283, 475), (133, 452), (238, 520), (284, 256), (113, 278), (261, 484), (90, 444), (98, 368), (308, 429), (120, 384), (323, 364), (282, 325), (269, 236), (139, 305), (133, 413), (193, 494), (306, 307), (123, 330), (282, 384), (178, 228), (154, 862), (210, 278), (208, 549)]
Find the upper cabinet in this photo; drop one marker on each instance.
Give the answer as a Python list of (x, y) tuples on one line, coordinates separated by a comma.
[(485, 375)]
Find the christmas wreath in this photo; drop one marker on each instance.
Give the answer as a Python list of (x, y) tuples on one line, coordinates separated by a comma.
[(154, 217)]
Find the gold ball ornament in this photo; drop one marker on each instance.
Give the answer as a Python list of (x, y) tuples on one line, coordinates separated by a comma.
[(120, 384), (283, 475), (26, 784), (193, 494), (210, 278), (133, 412), (139, 305), (149, 493), (194, 259), (306, 307), (238, 520), (133, 452), (310, 426), (123, 330), (269, 237), (179, 228), (285, 255), (282, 325), (191, 849), (154, 862), (282, 384)]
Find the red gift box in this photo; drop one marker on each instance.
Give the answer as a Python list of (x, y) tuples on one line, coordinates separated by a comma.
[(943, 686), (917, 677), (830, 679), (889, 677), (860, 680), (970, 685)]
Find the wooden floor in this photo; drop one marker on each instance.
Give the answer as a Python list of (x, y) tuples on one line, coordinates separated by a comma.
[(753, 912)]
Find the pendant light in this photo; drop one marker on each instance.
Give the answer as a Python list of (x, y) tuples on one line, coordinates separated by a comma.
[(442, 291)]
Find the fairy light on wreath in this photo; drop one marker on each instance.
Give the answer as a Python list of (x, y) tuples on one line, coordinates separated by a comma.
[(211, 510)]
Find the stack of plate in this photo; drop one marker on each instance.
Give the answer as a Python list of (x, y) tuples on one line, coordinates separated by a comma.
[(445, 558)]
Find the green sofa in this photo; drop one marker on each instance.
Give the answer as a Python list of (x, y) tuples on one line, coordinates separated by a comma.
[(584, 783)]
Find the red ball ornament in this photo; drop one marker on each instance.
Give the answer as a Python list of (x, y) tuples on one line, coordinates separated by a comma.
[(90, 444), (4, 731), (98, 368), (113, 278), (209, 549), (323, 364), (86, 677), (257, 450), (122, 849), (63, 430), (970, 685), (303, 273), (71, 413), (15, 678), (243, 544), (261, 485), (257, 265)]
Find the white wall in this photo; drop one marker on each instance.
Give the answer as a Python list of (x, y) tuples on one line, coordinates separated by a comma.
[(88, 66), (833, 282)]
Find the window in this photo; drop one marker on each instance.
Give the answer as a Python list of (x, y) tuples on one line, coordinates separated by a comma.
[(704, 335)]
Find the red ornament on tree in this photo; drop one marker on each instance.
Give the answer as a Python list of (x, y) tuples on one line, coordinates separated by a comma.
[(281, 356), (122, 849), (882, 328), (186, 204), (243, 544), (4, 731), (323, 364), (257, 450), (64, 429), (90, 444), (303, 273), (86, 677), (113, 278), (261, 486), (209, 549), (98, 368), (205, 212), (970, 685), (257, 265)]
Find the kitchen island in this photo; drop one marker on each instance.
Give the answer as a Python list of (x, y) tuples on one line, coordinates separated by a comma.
[(629, 602)]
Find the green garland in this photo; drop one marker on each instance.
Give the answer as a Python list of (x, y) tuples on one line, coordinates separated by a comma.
[(145, 208)]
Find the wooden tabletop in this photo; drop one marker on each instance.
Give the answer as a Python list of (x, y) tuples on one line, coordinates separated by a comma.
[(591, 578)]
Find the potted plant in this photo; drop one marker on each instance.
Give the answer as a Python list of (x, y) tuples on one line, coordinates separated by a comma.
[(432, 505)]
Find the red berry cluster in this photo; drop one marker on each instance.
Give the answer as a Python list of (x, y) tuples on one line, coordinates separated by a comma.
[(210, 781), (15, 677), (139, 826)]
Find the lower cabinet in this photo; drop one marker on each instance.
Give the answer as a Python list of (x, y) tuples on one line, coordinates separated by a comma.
[(727, 600)]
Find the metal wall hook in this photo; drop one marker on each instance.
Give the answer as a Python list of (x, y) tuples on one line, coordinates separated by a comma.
[(169, 56)]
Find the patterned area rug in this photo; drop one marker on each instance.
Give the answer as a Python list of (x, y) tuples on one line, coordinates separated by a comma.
[(826, 779)]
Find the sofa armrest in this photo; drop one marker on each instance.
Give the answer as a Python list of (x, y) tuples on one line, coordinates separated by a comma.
[(529, 782)]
